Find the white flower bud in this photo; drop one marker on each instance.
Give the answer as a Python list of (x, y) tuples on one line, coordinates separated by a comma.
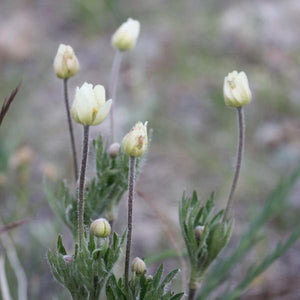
[(199, 231), (89, 106), (68, 259), (126, 36), (65, 62), (150, 277), (100, 228), (136, 141), (138, 266), (114, 150), (236, 89)]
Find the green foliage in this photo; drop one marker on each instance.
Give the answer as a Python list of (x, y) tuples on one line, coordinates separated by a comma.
[(63, 204), (221, 272), (103, 193), (256, 269), (143, 287), (84, 274), (202, 251)]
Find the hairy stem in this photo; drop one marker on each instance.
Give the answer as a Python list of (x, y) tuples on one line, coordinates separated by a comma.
[(73, 147), (80, 208), (193, 285), (240, 150), (192, 293), (113, 90), (131, 181)]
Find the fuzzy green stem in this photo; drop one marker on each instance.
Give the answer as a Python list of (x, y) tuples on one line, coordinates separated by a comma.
[(193, 286), (131, 181), (72, 138), (113, 90), (85, 150), (240, 150)]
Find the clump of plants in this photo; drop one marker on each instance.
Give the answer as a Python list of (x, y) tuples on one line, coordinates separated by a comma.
[(89, 209)]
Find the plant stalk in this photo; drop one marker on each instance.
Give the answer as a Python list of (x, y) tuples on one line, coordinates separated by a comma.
[(113, 90), (131, 181), (8, 245), (72, 138), (80, 208), (193, 285), (192, 293), (3, 280), (240, 151)]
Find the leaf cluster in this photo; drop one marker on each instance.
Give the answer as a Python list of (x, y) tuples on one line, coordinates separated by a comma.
[(103, 193), (84, 274), (142, 287), (216, 234), (221, 272)]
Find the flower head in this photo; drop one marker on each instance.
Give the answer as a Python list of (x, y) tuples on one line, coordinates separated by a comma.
[(138, 266), (113, 150), (68, 259), (124, 39), (100, 228), (65, 62), (89, 106), (236, 89), (199, 231), (135, 142)]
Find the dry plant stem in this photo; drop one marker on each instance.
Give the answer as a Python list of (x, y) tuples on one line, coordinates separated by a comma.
[(16, 266), (240, 150), (3, 281), (10, 249), (131, 181), (80, 208), (170, 234), (113, 90), (71, 129), (7, 102), (11, 226)]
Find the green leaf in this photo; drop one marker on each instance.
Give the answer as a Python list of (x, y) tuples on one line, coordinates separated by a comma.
[(157, 276), (177, 296), (91, 245), (272, 207), (60, 247), (168, 278)]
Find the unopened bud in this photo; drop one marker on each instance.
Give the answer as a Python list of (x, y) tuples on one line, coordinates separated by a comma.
[(65, 62), (68, 259), (236, 89), (149, 277), (199, 231), (114, 150), (138, 266), (126, 36), (135, 142), (100, 228)]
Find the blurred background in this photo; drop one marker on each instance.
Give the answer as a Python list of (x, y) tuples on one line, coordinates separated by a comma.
[(173, 79)]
